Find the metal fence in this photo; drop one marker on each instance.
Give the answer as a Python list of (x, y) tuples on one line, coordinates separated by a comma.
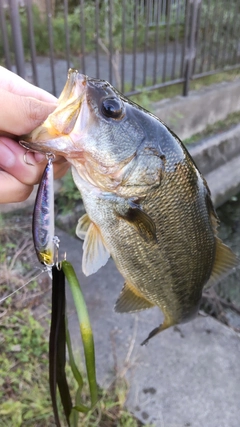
[(136, 45)]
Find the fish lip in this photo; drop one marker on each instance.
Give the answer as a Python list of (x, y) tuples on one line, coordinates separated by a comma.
[(29, 146), (73, 91)]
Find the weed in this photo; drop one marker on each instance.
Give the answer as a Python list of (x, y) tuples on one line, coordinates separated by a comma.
[(24, 391), (68, 196)]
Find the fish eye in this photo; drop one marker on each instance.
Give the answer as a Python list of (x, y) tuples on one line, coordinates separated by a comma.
[(112, 107)]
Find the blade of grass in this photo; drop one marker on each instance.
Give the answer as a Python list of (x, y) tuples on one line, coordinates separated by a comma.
[(85, 329), (76, 373), (79, 407)]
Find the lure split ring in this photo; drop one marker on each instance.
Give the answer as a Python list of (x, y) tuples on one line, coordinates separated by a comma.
[(49, 156)]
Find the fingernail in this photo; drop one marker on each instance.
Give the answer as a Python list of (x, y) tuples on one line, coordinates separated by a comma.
[(7, 157)]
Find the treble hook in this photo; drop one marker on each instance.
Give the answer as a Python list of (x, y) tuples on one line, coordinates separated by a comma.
[(25, 157)]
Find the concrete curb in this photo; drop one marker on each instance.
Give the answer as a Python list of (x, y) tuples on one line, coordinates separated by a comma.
[(187, 116), (218, 159)]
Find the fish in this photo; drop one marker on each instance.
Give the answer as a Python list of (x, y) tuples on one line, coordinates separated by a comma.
[(147, 204)]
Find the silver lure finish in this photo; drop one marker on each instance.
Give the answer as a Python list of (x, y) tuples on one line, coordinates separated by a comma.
[(43, 217)]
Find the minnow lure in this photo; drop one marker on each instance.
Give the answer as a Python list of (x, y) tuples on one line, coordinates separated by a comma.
[(43, 217)]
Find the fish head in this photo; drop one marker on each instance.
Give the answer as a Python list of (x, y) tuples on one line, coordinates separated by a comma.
[(95, 128)]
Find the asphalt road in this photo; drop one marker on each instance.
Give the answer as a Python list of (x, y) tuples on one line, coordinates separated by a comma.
[(60, 68)]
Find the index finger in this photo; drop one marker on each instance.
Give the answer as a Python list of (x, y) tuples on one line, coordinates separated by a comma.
[(11, 82)]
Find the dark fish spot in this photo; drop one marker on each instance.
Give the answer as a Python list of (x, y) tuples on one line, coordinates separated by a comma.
[(209, 331), (145, 415), (187, 425), (150, 390)]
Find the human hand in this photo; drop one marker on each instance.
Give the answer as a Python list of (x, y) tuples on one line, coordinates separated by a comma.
[(24, 107)]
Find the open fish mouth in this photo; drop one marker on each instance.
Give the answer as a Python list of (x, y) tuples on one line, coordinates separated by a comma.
[(53, 135)]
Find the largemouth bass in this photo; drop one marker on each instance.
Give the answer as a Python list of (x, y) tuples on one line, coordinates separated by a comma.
[(147, 204)]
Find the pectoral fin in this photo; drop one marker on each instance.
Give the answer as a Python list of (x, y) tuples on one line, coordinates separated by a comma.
[(141, 221), (82, 226), (131, 300), (95, 253), (225, 260)]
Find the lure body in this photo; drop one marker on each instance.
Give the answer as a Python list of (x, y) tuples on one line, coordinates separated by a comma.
[(43, 218)]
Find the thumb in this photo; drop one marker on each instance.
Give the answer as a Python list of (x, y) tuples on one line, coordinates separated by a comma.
[(21, 114)]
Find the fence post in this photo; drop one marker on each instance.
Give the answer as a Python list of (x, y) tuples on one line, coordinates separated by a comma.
[(17, 38), (190, 51), (3, 27)]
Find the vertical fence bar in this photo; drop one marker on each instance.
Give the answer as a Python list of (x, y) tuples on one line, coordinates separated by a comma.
[(17, 38), (225, 46), (211, 42), (3, 27), (82, 31), (147, 5), (97, 36), (66, 33), (175, 41), (186, 35), (110, 14), (32, 41), (191, 51), (235, 33), (168, 13), (50, 35), (134, 45), (123, 44), (230, 25), (204, 40), (156, 43), (220, 40), (197, 35)]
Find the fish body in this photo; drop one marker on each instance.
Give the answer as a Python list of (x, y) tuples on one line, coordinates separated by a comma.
[(147, 204)]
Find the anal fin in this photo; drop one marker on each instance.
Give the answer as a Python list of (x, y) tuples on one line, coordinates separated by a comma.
[(224, 261), (131, 300)]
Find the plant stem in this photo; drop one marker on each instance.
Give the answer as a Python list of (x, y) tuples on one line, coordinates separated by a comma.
[(85, 329)]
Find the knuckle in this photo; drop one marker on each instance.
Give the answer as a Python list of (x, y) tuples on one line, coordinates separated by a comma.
[(35, 110)]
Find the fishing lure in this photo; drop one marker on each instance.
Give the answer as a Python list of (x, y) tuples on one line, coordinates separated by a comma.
[(45, 242)]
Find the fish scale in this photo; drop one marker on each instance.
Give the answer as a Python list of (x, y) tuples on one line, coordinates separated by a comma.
[(147, 205)]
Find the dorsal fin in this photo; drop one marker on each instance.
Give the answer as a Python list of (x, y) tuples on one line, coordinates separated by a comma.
[(82, 226), (95, 253), (224, 261), (131, 300)]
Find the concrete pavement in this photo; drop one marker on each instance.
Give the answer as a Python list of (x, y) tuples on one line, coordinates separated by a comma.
[(187, 376)]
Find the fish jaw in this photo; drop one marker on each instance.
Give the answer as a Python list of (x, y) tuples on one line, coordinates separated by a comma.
[(80, 132), (53, 135)]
